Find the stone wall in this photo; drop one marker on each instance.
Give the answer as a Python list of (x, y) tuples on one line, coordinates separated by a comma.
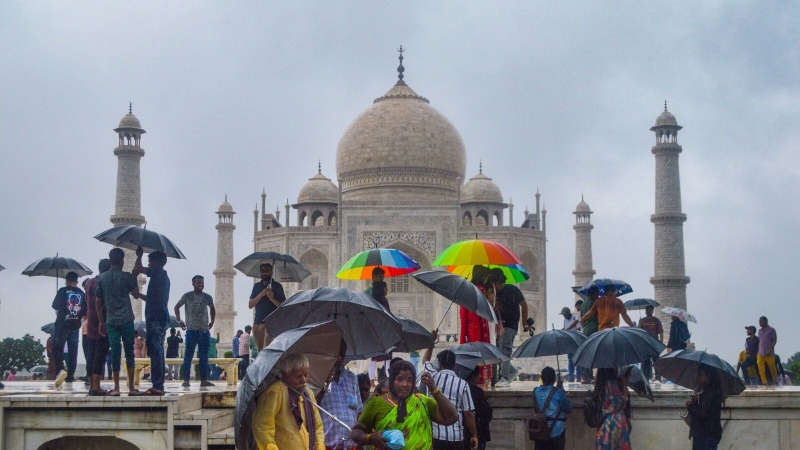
[(759, 419)]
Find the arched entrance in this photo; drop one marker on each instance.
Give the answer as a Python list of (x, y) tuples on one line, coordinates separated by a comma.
[(87, 443)]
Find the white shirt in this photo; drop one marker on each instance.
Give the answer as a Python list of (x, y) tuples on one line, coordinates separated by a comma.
[(457, 391), (574, 318)]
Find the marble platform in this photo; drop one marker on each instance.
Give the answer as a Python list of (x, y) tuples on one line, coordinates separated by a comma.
[(36, 416)]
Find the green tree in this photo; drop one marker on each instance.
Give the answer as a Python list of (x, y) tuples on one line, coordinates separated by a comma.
[(793, 359), (24, 353)]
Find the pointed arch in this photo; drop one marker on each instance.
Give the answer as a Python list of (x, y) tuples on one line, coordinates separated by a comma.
[(467, 220), (317, 219), (317, 263), (333, 220), (482, 218), (531, 264)]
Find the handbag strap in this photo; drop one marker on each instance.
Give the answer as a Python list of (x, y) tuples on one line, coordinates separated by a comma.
[(546, 402)]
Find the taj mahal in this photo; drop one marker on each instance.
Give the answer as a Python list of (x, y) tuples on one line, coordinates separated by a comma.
[(401, 182)]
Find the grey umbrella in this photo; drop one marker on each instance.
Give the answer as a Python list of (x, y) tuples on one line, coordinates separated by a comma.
[(133, 237), (50, 328), (617, 347), (490, 354), (550, 343), (640, 303), (368, 328), (284, 267), (2, 268), (141, 327), (458, 290), (415, 336), (320, 343), (680, 367), (466, 362), (57, 267), (638, 382)]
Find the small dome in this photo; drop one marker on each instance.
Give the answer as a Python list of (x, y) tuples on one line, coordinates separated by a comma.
[(666, 118), (319, 189), (583, 207), (225, 207), (481, 189), (129, 121)]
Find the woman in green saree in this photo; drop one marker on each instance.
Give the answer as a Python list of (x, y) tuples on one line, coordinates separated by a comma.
[(405, 411)]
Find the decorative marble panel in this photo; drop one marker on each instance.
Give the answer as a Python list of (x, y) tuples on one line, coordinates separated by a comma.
[(426, 240)]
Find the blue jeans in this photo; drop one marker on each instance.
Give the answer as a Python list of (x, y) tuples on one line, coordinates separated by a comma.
[(156, 331), (505, 342), (750, 361), (213, 372), (196, 339), (70, 337), (706, 443)]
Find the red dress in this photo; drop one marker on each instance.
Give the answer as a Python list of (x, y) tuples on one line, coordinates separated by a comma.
[(475, 328)]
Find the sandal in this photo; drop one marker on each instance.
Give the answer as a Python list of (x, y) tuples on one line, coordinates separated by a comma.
[(100, 393), (153, 392), (112, 393), (135, 393)]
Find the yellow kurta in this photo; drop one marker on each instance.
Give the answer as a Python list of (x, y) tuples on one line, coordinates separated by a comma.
[(274, 427)]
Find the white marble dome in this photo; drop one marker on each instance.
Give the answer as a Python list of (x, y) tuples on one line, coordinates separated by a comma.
[(401, 140), (225, 206), (583, 207), (129, 121), (319, 189), (481, 189), (666, 118)]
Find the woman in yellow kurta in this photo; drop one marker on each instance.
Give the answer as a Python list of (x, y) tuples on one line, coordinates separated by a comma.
[(285, 418)]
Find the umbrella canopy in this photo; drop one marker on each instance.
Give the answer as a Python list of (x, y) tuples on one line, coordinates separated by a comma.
[(550, 343), (617, 347), (319, 342), (415, 336), (490, 354), (368, 328), (57, 267), (621, 287), (392, 261), (284, 267), (133, 237), (50, 328), (2, 268), (476, 252), (459, 290), (514, 273), (638, 382), (640, 303), (141, 327), (680, 314), (466, 362), (680, 367)]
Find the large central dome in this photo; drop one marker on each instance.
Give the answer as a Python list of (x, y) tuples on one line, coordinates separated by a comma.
[(400, 148)]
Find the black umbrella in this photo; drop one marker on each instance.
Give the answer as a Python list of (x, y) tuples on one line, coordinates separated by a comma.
[(133, 237), (638, 382), (319, 342), (368, 328), (458, 290), (466, 362), (141, 327), (617, 347), (2, 268), (284, 267), (490, 354), (50, 328), (621, 287), (57, 267), (550, 343), (680, 367), (640, 303), (415, 336)]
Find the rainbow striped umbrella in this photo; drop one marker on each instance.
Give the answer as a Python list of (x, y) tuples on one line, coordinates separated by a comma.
[(476, 252), (514, 273), (392, 261)]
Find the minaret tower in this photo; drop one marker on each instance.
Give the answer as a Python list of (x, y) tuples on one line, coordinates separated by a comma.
[(128, 205), (584, 272), (224, 273), (669, 280)]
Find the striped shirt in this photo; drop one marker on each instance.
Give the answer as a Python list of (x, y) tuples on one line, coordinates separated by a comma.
[(457, 391)]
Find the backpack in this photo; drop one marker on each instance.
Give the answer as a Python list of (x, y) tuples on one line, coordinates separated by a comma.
[(593, 411), (538, 428)]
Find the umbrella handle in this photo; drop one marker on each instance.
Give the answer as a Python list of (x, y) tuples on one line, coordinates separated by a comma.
[(445, 314), (336, 419)]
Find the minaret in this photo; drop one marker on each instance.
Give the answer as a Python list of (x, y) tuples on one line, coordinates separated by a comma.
[(224, 273), (128, 204), (584, 271), (669, 280)]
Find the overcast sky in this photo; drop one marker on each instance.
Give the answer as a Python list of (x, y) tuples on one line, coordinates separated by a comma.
[(237, 97)]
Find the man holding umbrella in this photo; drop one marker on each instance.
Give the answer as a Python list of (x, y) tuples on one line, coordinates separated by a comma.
[(156, 313), (511, 301), (652, 325), (267, 296), (70, 306)]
